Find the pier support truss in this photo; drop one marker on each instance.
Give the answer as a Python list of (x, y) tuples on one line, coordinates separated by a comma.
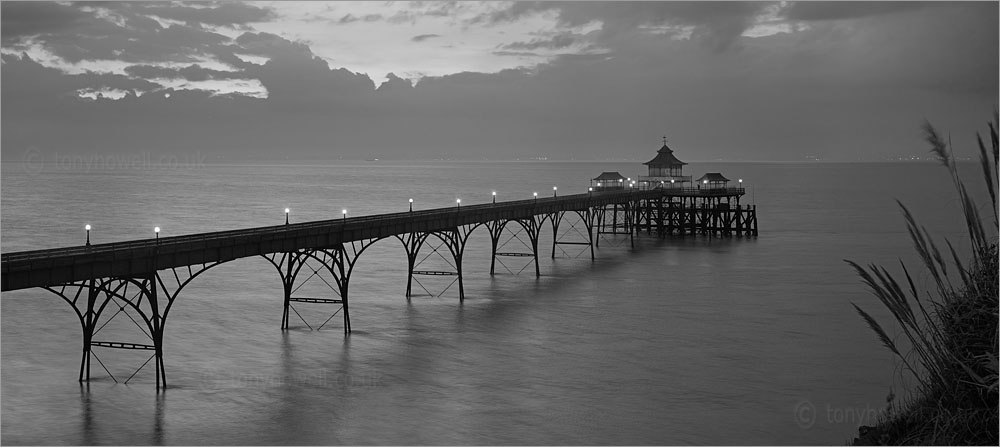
[(330, 266), (708, 216), (574, 232), (617, 218), (146, 301), (454, 240), (514, 240)]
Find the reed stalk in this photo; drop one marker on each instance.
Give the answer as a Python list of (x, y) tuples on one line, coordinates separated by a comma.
[(951, 330)]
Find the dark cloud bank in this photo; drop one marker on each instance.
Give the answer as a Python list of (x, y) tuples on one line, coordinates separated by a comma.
[(830, 91)]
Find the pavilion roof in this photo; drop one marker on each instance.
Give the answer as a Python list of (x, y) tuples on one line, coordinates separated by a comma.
[(713, 177), (607, 175), (664, 157)]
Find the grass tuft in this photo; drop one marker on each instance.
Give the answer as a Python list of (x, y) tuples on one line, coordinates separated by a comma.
[(952, 330)]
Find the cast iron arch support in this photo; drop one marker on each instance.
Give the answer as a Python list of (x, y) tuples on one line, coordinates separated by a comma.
[(532, 226), (586, 216)]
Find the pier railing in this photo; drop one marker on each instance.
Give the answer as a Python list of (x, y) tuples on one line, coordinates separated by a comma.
[(696, 191), (146, 276), (60, 265)]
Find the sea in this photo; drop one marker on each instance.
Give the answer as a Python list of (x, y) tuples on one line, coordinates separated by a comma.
[(693, 340)]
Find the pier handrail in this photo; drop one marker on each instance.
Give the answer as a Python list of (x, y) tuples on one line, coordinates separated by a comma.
[(140, 257), (167, 241)]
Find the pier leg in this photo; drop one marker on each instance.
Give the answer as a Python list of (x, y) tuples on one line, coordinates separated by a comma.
[(599, 220), (649, 216), (739, 220), (590, 231), (556, 218), (344, 281), (461, 281), (534, 250), (495, 228), (287, 280), (156, 322), (614, 218), (631, 216), (411, 243), (409, 277), (89, 321)]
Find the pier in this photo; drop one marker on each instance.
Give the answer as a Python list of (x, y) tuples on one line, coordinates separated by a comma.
[(148, 275)]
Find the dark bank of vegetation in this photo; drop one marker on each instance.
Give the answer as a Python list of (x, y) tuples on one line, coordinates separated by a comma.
[(950, 332)]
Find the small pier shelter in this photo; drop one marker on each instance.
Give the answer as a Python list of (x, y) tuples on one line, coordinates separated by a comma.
[(608, 181), (713, 181)]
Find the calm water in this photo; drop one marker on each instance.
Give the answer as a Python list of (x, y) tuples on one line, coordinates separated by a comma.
[(677, 341)]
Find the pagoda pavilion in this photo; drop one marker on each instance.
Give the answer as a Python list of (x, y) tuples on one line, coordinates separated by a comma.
[(665, 170)]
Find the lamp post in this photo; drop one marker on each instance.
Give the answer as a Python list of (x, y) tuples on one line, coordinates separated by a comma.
[(87, 227), (156, 231), (458, 203), (536, 196), (554, 188), (344, 212), (590, 191), (286, 215), (494, 197), (411, 205)]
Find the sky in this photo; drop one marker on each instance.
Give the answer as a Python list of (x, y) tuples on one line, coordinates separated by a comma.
[(753, 81)]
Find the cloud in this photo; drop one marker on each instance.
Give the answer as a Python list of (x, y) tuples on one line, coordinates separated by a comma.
[(820, 11), (35, 80), (556, 42), (190, 73), (20, 20), (516, 53), (717, 24), (838, 90), (423, 37), (351, 18), (223, 14), (394, 83), (510, 13), (95, 32)]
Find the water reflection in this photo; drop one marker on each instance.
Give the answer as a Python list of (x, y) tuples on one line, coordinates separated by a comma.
[(158, 432), (92, 432), (87, 416)]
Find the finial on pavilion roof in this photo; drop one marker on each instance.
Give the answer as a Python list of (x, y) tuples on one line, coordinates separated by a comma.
[(664, 140)]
